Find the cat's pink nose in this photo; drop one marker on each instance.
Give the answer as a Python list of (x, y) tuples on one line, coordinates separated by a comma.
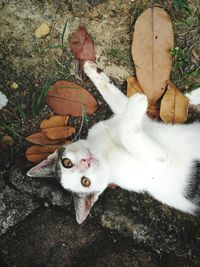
[(85, 163)]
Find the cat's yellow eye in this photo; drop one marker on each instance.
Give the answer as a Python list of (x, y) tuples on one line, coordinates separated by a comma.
[(67, 163), (85, 181)]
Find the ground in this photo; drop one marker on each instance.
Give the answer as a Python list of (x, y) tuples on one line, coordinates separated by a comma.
[(37, 221)]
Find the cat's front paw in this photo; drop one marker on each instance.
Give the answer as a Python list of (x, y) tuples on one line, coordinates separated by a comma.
[(89, 66), (139, 102)]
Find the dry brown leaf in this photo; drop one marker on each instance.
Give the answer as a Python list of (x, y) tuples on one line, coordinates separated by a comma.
[(38, 153), (174, 105), (133, 86), (152, 42), (41, 139), (67, 98), (82, 46), (58, 132), (54, 121)]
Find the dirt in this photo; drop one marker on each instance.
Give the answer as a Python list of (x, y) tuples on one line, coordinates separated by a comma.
[(49, 236)]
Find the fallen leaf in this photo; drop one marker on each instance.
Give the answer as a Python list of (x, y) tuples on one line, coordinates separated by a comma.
[(152, 42), (38, 153), (58, 132), (174, 105), (41, 139), (133, 86), (67, 98), (82, 46), (54, 121)]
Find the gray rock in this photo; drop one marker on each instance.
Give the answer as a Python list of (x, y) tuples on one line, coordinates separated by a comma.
[(14, 207), (152, 224), (22, 195), (44, 189), (52, 238)]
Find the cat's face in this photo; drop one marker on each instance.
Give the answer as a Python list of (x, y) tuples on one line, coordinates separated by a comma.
[(81, 171)]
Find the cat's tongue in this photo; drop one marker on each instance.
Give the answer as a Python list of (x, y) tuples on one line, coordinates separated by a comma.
[(83, 204)]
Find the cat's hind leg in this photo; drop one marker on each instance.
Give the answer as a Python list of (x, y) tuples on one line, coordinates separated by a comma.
[(111, 94)]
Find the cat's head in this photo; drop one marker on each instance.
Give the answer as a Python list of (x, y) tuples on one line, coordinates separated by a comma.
[(79, 170)]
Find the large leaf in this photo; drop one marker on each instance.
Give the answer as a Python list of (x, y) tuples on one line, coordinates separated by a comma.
[(152, 42), (67, 98), (82, 46), (38, 153), (174, 105)]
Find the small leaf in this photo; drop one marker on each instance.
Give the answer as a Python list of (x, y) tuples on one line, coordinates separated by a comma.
[(67, 98), (82, 46), (38, 153), (133, 86), (41, 139), (54, 121), (152, 42), (174, 105), (58, 132)]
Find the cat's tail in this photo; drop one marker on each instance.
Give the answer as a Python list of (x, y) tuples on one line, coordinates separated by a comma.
[(194, 96)]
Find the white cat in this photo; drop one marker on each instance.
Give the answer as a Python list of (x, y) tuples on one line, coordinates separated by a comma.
[(129, 150)]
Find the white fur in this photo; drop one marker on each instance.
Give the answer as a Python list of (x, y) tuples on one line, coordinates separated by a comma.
[(134, 152), (194, 96)]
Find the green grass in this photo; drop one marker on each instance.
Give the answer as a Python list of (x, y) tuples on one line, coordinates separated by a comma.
[(11, 130), (181, 5), (62, 38), (38, 98), (180, 58), (116, 55), (21, 111)]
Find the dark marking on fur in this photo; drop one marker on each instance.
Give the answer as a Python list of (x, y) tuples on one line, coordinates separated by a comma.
[(99, 70), (58, 171), (193, 189), (60, 152)]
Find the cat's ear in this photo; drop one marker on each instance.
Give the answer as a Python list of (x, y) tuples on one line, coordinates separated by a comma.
[(44, 168), (83, 204)]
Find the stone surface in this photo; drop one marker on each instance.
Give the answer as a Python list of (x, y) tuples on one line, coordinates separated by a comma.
[(152, 224), (14, 207), (52, 238), (44, 189)]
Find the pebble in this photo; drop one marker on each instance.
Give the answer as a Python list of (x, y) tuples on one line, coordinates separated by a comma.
[(42, 31), (14, 85), (3, 100)]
